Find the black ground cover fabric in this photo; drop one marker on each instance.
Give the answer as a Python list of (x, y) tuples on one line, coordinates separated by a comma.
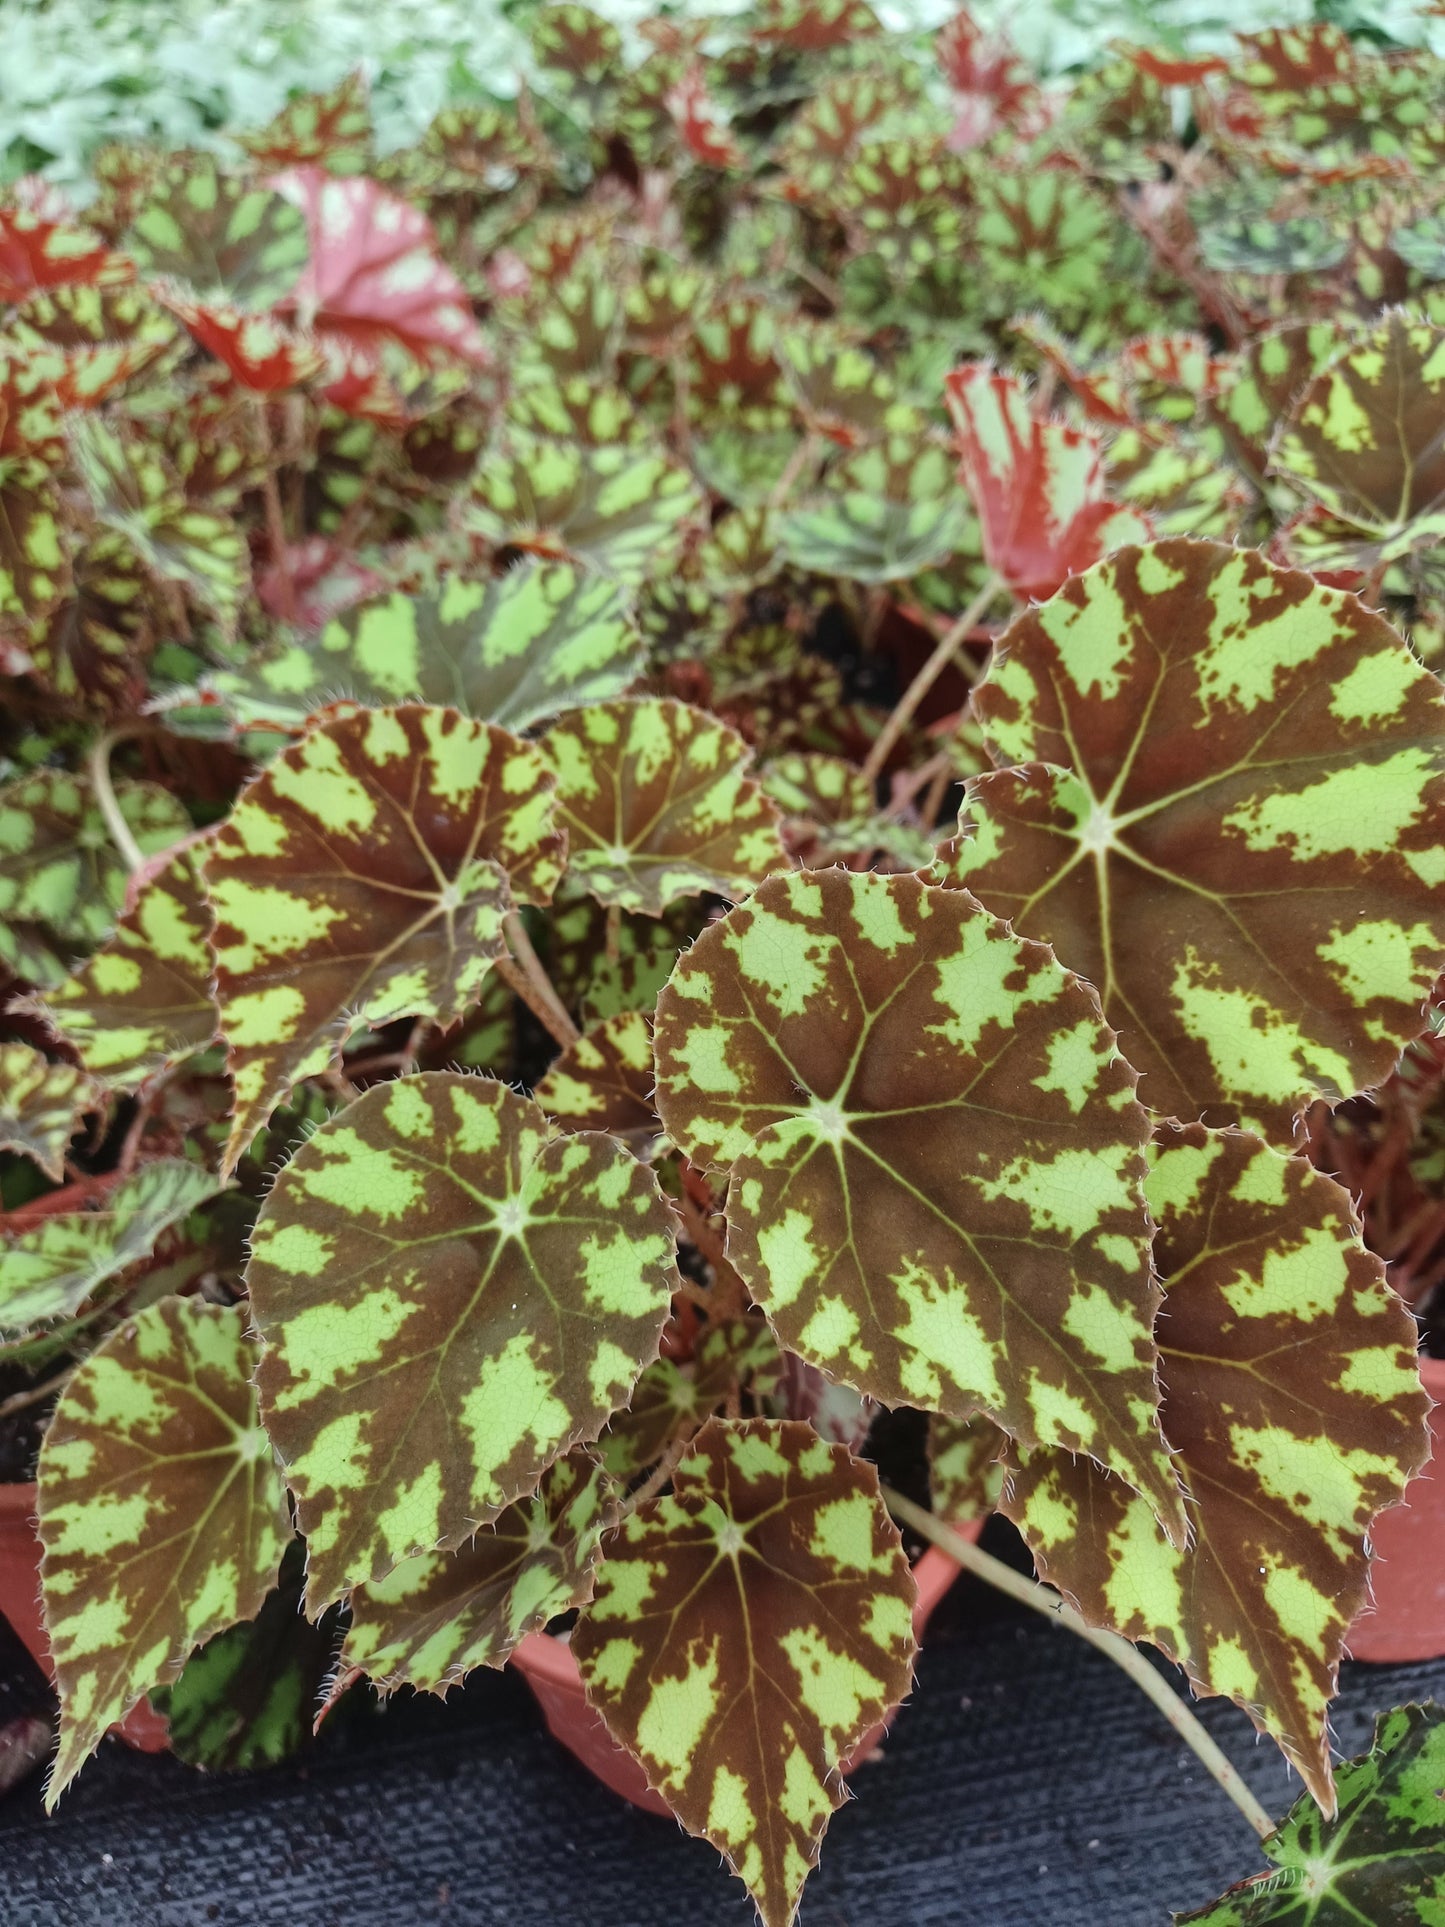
[(1027, 1784)]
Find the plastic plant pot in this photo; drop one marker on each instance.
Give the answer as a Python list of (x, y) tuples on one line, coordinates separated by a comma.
[(1407, 1575), (547, 1665), (142, 1728)]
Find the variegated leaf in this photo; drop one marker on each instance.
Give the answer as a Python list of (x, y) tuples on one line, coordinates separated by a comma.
[(438, 1616), (247, 1698), (1249, 781), (1292, 1397), (365, 876), (885, 514), (604, 1081), (1379, 1863), (965, 1465), (162, 1513), (50, 1271), (41, 1105), (221, 239), (143, 1001), (656, 804), (536, 641), (451, 1295), (674, 1398), (626, 510), (746, 1632), (926, 1127), (62, 880), (1366, 440), (1038, 485)]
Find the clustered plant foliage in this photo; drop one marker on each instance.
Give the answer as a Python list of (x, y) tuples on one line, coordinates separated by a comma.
[(433, 588)]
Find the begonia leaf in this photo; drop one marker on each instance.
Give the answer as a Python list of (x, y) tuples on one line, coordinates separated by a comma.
[(746, 1631), (94, 642), (245, 1699), (991, 88), (1265, 381), (436, 1617), (143, 1001), (1380, 1862), (374, 272), (133, 491), (1038, 485), (36, 253), (626, 510), (450, 1295), (162, 1514), (595, 984), (1293, 1401), (41, 1105), (580, 53), (259, 351), (965, 1466), (656, 804), (221, 239), (332, 128), (845, 1048), (886, 513), (786, 1386), (537, 640), (603, 1081), (51, 1270), (902, 198), (831, 814), (674, 1399), (1365, 438), (1250, 769), (364, 876), (90, 341), (62, 881)]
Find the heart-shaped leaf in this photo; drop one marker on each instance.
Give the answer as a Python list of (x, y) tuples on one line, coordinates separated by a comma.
[(1251, 770), (1293, 1400), (62, 880), (439, 1616), (50, 1271), (849, 1048), (656, 804), (365, 876), (162, 1513), (41, 1105), (512, 651), (144, 1000), (1379, 1863), (746, 1632), (451, 1295)]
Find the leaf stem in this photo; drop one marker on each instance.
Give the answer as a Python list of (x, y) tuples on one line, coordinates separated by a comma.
[(1043, 1599), (950, 643), (99, 769), (524, 972)]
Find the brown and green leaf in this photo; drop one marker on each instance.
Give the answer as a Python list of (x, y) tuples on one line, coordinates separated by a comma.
[(41, 1105), (1228, 816), (926, 1126), (451, 1294), (746, 1631), (162, 1514), (365, 876), (1293, 1401)]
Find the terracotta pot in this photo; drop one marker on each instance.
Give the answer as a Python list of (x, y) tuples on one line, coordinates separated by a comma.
[(550, 1670), (1407, 1577), (142, 1728)]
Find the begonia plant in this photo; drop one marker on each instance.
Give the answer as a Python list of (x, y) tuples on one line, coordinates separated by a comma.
[(752, 740)]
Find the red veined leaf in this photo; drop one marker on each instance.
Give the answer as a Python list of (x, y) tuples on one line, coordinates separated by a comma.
[(39, 253), (332, 129), (260, 351), (991, 85), (700, 122), (1038, 485)]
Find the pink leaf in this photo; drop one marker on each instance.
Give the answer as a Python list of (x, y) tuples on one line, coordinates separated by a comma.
[(992, 87), (324, 581), (374, 273), (1038, 485)]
